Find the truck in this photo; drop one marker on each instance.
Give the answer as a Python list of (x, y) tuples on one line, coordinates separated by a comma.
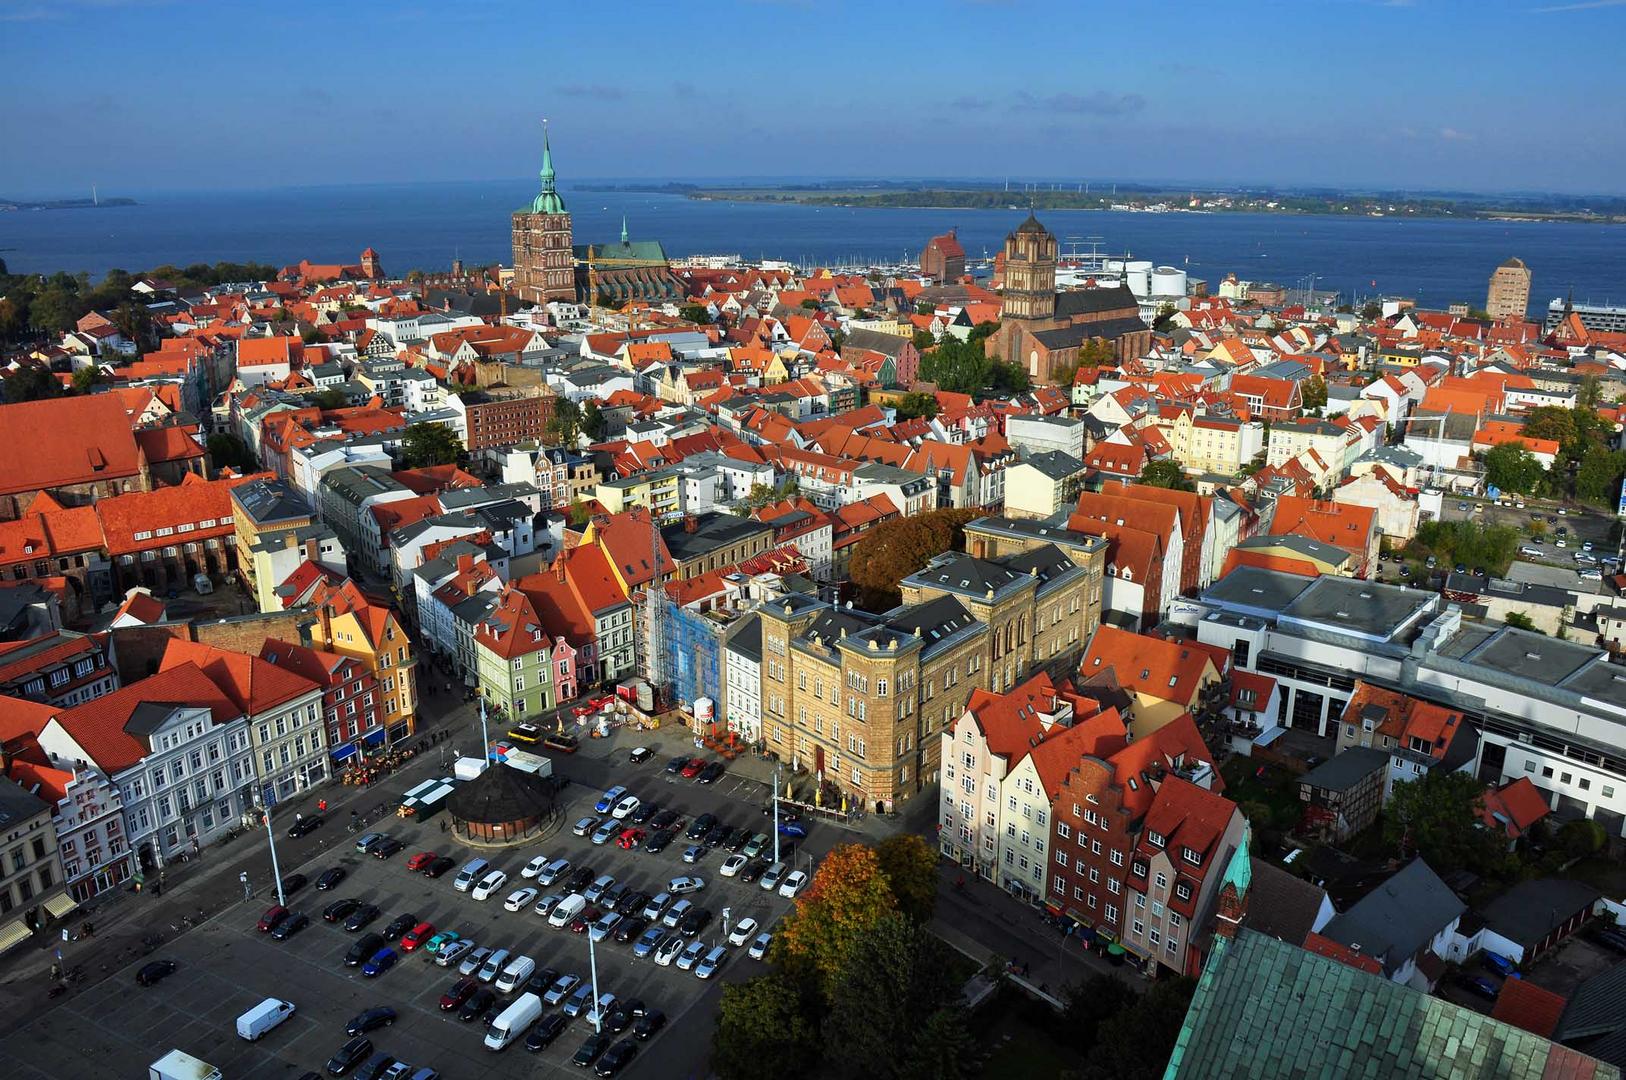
[(179, 1065), (513, 1021)]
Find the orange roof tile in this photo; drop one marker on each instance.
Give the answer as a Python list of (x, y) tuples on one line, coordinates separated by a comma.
[(98, 725), (251, 684)]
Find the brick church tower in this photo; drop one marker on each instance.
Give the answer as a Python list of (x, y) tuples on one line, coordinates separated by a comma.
[(1030, 273), (544, 266)]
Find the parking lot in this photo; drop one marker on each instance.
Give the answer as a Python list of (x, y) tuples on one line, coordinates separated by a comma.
[(227, 965), (1581, 525)]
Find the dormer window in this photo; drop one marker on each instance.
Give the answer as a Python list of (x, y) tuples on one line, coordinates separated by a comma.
[(1156, 839), (1195, 858)]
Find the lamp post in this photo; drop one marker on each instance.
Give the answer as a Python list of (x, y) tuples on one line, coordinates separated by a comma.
[(592, 967), (271, 839), (776, 813)]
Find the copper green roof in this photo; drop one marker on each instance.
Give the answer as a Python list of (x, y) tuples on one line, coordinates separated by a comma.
[(547, 200), (1268, 1009)]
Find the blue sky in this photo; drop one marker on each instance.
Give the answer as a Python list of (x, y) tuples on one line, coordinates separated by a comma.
[(1471, 94)]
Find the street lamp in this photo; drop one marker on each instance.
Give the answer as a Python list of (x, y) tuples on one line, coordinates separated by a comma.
[(592, 967), (271, 839), (776, 813)]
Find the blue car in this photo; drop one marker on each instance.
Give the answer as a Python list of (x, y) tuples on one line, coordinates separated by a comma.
[(1480, 986), (793, 828), (1498, 963), (382, 961), (611, 797)]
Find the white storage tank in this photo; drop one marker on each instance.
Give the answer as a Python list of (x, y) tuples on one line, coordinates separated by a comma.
[(1168, 281), (704, 710), (1138, 275)]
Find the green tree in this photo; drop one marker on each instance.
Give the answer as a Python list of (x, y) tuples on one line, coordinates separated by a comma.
[(982, 331), (1137, 1042), (1598, 477), (1165, 317), (228, 451), (910, 866), (31, 383), (1436, 817), (810, 304), (1371, 310), (925, 307), (1166, 474), (766, 1031), (959, 367), (328, 399), (1009, 378), (565, 426), (55, 310), (1511, 467), (695, 313), (424, 445), (1520, 621), (894, 1011), (923, 340), (578, 513), (133, 321), (1087, 1005), (593, 422), (1096, 352), (1314, 392), (87, 377), (916, 404)]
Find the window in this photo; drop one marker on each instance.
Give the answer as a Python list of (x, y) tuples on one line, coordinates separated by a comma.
[(1095, 876), (1154, 838), (1117, 857), (1154, 937), (1162, 880), (1063, 831), (1172, 946), (1182, 891), (1061, 859), (1195, 858), (1114, 886), (1140, 928)]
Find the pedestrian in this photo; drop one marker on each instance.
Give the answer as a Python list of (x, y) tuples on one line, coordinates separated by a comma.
[(90, 929), (321, 804), (298, 818), (1025, 969)]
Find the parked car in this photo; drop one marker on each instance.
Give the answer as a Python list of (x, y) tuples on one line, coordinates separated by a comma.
[(415, 937), (772, 876), (269, 919), (155, 972), (489, 884), (691, 955), (1479, 986), (733, 865), (665, 819), (290, 924), (693, 768), (658, 840), (387, 847), (677, 764), (712, 773), (519, 898), (452, 953), (687, 883), (644, 812), (329, 878), (561, 988), (545, 1031), (534, 867), (616, 1058), (608, 800), (607, 830), (694, 922), (668, 950), (460, 991), (648, 942), (598, 888), (590, 1050), (421, 860), (1498, 963), (339, 909), (365, 841), (360, 917), (793, 883), (711, 962), (676, 914), (363, 947), (479, 1001), (584, 826), (565, 744), (630, 927), (439, 866), (694, 853), (648, 1024), (368, 1019), (400, 925), (292, 883), (640, 754), (546, 904), (603, 926), (469, 961), (553, 871), (742, 931), (382, 961), (759, 946), (630, 839), (349, 1055)]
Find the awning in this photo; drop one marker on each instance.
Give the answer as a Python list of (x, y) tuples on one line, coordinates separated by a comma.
[(344, 751), (13, 933), (373, 737), (60, 905)]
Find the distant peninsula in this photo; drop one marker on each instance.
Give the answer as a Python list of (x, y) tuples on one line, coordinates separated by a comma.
[(893, 195), (63, 204)]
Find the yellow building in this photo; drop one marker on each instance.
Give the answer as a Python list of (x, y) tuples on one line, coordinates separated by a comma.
[(660, 490), (862, 700), (260, 509), (351, 625), (1207, 444)]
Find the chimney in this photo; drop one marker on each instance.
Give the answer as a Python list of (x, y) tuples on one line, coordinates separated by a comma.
[(559, 569), (691, 524), (465, 563), (313, 549)]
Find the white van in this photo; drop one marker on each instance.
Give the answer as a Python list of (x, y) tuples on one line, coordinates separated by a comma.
[(470, 874), (514, 975), (513, 1021), (567, 909), (494, 964), (263, 1017)]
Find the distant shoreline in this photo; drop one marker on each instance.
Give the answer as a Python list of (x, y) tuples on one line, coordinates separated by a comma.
[(64, 204)]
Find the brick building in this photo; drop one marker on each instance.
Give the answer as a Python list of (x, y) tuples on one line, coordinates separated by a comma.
[(943, 258), (544, 267), (504, 416)]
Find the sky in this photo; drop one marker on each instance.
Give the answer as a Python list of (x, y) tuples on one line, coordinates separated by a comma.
[(1474, 95)]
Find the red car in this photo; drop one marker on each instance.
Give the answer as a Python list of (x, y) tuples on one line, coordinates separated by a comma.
[(602, 700), (460, 992), (421, 860), (417, 936), (269, 919), (630, 838), (692, 769), (589, 915)]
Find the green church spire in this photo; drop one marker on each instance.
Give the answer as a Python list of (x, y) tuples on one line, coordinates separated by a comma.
[(547, 201)]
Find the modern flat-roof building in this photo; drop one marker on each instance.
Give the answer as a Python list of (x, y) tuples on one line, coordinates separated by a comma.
[(1551, 710)]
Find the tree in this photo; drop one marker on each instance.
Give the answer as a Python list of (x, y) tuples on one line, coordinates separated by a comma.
[(1096, 352), (695, 313), (1165, 317), (1166, 474), (1598, 477), (923, 340), (31, 383), (810, 304), (424, 445), (765, 1031), (916, 404), (894, 1013), (982, 331), (925, 307), (895, 549), (1436, 817), (848, 894), (228, 451), (1520, 621), (910, 866), (593, 422), (87, 377), (1511, 467), (1088, 1005), (956, 366), (1136, 1043), (1371, 310), (565, 426), (1009, 378), (328, 399), (1314, 392), (578, 513)]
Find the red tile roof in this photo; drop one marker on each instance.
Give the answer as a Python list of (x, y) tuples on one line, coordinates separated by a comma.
[(48, 532), (253, 685), (1333, 950), (162, 444), (98, 726), (70, 440), (191, 503), (1514, 807), (1166, 670), (1525, 1005)]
